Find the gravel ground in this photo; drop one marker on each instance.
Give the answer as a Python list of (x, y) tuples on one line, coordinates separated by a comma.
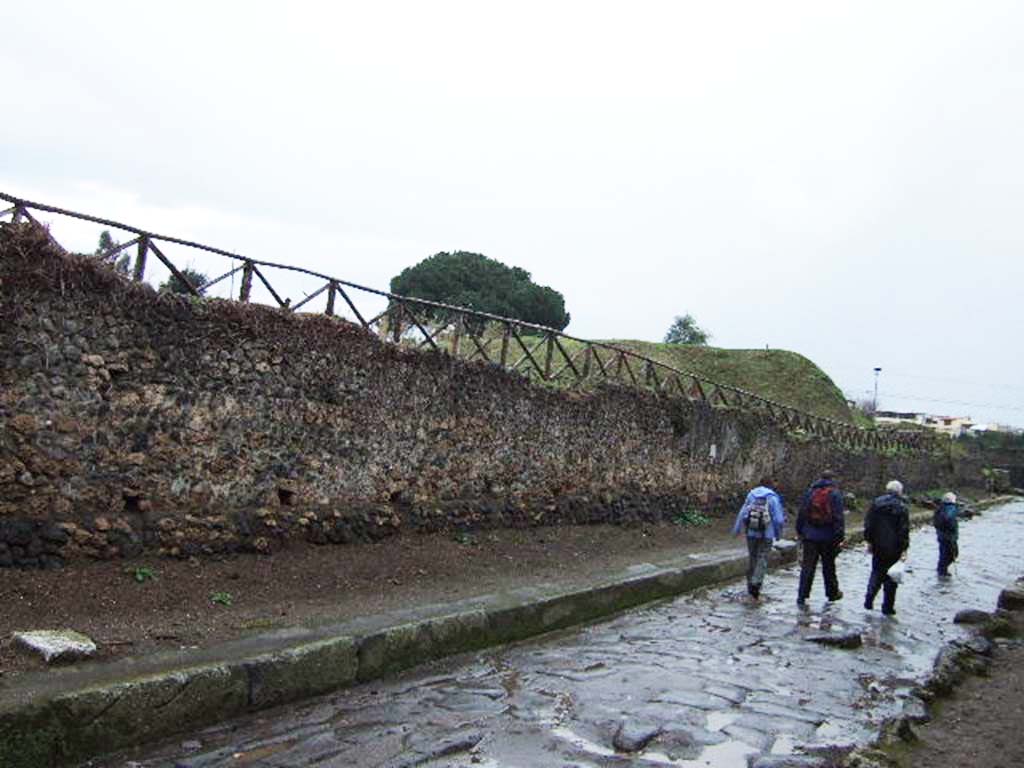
[(174, 605), (981, 724)]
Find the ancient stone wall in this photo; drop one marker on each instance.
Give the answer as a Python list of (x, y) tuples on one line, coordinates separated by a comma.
[(133, 421)]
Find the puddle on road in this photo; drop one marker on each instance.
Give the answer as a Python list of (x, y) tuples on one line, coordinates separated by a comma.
[(581, 743), (728, 754), (719, 720), (784, 745)]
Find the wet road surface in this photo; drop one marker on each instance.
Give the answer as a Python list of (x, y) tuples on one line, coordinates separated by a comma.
[(708, 680)]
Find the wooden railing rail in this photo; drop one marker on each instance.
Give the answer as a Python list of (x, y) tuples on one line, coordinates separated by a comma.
[(536, 351)]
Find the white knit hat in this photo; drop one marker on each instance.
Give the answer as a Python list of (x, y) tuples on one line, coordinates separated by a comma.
[(894, 486), (950, 498)]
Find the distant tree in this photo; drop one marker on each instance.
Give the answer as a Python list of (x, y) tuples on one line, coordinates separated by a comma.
[(106, 250), (477, 282), (866, 406), (684, 330), (173, 285)]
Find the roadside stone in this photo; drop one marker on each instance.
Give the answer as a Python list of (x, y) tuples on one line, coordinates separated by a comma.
[(979, 645), (56, 645), (971, 616), (838, 640), (1012, 599), (634, 736)]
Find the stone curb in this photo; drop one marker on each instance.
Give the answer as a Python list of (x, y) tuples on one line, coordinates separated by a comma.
[(69, 715)]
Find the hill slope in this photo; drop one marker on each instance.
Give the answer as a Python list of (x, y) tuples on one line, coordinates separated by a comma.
[(785, 377)]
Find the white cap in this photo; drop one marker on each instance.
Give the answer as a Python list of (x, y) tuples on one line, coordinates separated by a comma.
[(894, 486), (949, 497)]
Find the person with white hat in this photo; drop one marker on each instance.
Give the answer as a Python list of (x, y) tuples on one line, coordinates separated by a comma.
[(947, 530), (887, 532)]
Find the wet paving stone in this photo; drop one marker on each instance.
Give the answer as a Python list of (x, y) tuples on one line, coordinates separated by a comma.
[(708, 680)]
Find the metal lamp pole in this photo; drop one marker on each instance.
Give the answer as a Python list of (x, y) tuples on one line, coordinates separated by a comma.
[(874, 404)]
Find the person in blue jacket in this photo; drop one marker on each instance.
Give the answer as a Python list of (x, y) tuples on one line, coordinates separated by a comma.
[(947, 530), (761, 518), (821, 528)]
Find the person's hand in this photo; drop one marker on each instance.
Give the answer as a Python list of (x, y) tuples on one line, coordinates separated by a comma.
[(903, 557)]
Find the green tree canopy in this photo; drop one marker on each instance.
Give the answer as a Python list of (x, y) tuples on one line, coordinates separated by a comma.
[(684, 330), (173, 285), (477, 282)]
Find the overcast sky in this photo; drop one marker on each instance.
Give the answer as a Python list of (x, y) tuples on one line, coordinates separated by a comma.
[(845, 180)]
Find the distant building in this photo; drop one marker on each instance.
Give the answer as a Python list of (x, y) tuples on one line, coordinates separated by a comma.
[(954, 426), (900, 417)]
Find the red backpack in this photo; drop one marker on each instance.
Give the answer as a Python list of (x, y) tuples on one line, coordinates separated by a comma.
[(819, 512)]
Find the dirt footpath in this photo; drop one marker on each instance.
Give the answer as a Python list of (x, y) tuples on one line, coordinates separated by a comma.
[(982, 723), (138, 606)]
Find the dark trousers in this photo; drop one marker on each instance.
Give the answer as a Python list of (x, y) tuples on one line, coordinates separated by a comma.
[(881, 562), (948, 552), (826, 551)]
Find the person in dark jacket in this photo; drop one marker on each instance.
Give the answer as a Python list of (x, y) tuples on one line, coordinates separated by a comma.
[(887, 533), (947, 529), (821, 528)]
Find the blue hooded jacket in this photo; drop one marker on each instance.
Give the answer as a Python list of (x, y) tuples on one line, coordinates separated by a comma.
[(836, 531), (945, 521), (773, 531)]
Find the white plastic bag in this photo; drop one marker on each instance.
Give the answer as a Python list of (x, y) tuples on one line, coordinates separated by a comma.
[(896, 572)]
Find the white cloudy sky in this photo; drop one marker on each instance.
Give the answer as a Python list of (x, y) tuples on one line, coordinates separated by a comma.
[(845, 180)]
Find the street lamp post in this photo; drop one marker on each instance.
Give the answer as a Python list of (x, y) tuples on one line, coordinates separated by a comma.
[(874, 404)]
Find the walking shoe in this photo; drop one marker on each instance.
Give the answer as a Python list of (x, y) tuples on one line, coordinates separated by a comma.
[(801, 602), (869, 605), (888, 610), (836, 596), (754, 590)]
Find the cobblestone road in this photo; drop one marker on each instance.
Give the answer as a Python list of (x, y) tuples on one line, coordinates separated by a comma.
[(708, 680)]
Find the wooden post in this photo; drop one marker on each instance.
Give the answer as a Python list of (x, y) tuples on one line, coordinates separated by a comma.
[(457, 335), (332, 289), (548, 356), (504, 345), (243, 295), (16, 216), (395, 318), (140, 259)]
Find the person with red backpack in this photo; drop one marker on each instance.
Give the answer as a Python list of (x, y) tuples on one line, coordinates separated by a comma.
[(761, 518), (821, 528)]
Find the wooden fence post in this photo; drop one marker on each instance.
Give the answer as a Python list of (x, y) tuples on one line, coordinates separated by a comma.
[(332, 290), (140, 259), (243, 294), (504, 345), (457, 335)]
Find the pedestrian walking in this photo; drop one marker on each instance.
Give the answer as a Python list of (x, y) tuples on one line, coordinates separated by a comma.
[(947, 528), (887, 533), (821, 528), (761, 518)]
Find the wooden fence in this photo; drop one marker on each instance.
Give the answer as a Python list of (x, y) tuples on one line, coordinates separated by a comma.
[(541, 353)]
